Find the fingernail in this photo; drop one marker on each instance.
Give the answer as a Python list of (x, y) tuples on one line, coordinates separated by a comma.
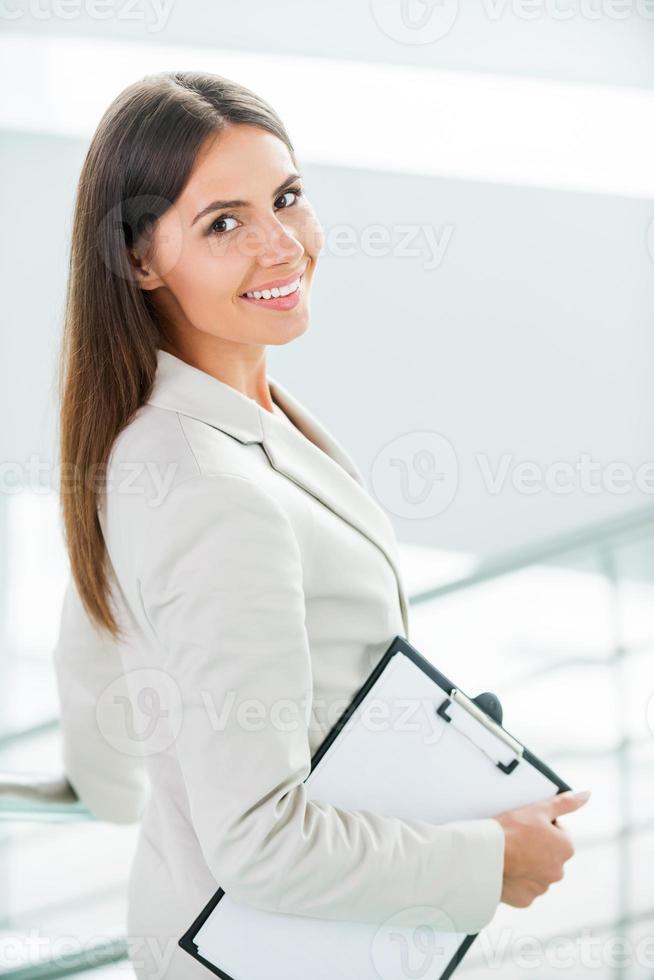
[(581, 794)]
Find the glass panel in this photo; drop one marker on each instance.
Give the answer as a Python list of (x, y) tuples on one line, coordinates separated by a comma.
[(639, 761), (634, 566), (639, 851), (34, 572), (572, 658), (499, 631), (64, 885)]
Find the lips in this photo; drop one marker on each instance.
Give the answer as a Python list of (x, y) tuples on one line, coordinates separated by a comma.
[(286, 303), (276, 283)]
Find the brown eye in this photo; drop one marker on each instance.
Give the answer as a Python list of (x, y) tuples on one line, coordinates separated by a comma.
[(292, 190), (214, 230)]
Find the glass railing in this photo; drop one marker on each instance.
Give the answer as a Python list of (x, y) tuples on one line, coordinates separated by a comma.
[(39, 796), (563, 632)]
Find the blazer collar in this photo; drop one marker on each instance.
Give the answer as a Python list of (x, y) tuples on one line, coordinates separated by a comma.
[(305, 452)]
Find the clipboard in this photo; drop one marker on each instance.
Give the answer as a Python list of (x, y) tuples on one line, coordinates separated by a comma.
[(360, 765)]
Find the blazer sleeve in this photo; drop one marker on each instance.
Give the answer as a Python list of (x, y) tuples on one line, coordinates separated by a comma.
[(221, 584), (110, 783)]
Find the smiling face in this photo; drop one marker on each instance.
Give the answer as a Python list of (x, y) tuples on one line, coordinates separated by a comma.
[(242, 223)]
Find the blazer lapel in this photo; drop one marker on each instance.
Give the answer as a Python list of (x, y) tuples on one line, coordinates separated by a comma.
[(314, 460), (304, 453)]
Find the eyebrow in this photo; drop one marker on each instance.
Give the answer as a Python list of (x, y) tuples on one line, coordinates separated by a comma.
[(219, 205)]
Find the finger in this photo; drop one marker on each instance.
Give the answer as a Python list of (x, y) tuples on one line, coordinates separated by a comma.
[(566, 839), (567, 802), (538, 886)]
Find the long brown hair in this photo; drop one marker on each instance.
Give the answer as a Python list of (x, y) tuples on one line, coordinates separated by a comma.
[(137, 164)]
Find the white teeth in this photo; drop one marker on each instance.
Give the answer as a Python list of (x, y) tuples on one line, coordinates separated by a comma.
[(275, 291)]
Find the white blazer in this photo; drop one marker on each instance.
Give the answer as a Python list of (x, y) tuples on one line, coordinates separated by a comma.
[(258, 583)]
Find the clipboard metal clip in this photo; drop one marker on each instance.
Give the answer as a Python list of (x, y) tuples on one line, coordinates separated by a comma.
[(487, 710)]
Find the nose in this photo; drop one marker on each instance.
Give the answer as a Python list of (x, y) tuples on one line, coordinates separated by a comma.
[(278, 246)]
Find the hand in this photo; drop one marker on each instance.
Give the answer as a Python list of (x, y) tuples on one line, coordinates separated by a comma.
[(536, 847)]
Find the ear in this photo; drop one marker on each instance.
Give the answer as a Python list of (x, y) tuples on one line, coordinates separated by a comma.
[(145, 277)]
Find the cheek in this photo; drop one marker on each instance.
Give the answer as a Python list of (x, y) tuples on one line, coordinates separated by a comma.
[(310, 233), (208, 268)]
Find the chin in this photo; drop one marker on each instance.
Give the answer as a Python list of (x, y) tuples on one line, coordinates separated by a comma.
[(284, 332)]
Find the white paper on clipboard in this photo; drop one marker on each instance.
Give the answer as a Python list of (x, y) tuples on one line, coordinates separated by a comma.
[(397, 756)]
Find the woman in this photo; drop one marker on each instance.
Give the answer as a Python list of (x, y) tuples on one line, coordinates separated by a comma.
[(233, 582)]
